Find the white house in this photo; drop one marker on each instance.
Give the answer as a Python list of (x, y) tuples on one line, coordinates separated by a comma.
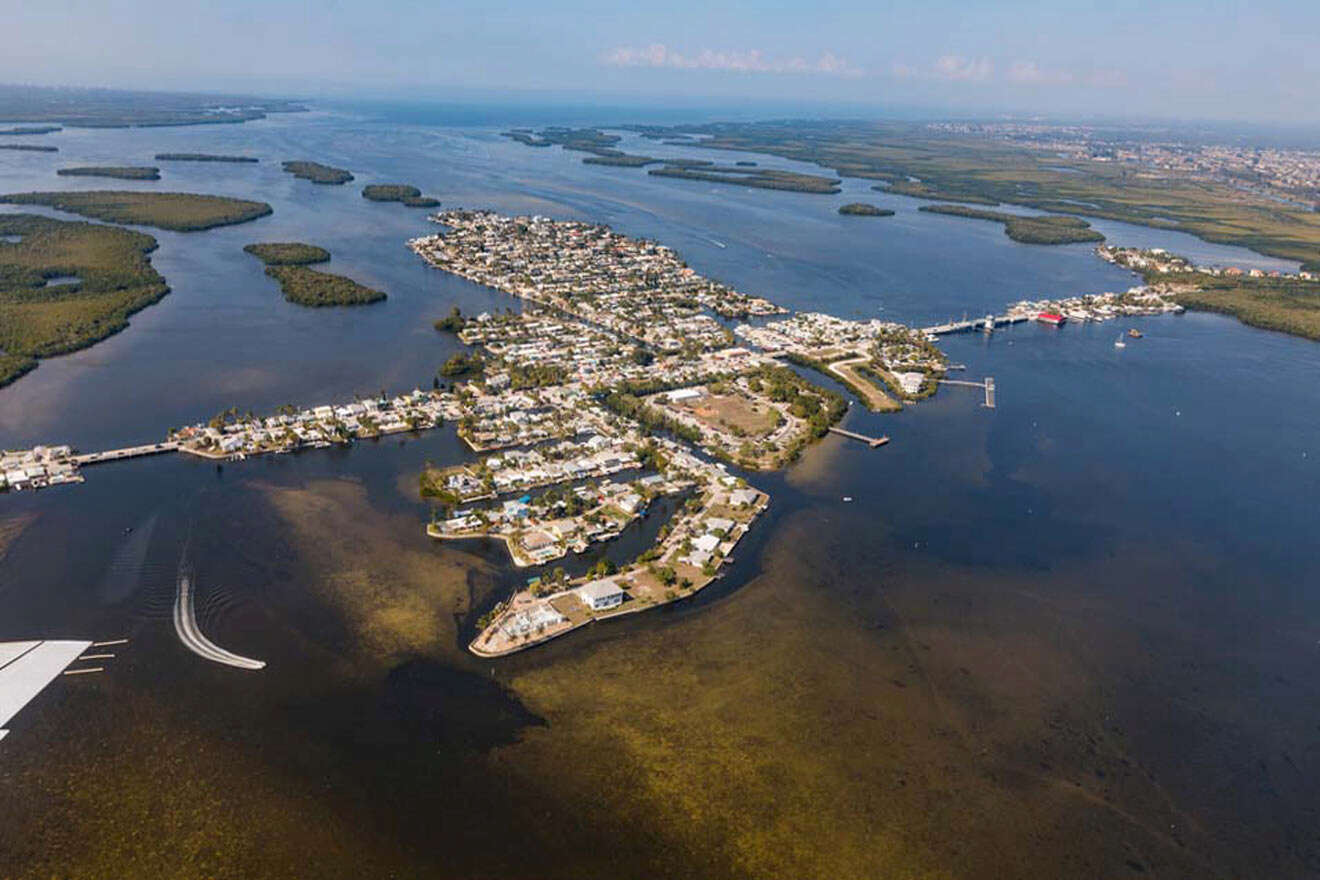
[(707, 542), (600, 594), (681, 394)]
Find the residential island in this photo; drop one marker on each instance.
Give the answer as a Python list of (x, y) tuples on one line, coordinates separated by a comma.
[(618, 387)]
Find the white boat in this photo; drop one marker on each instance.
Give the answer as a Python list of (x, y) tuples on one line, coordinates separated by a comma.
[(1119, 343)]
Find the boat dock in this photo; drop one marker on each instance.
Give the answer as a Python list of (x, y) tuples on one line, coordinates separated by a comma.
[(126, 452), (988, 385), (873, 442)]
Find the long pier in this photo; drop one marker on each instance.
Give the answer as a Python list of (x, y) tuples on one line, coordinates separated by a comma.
[(988, 385), (126, 452), (872, 442)]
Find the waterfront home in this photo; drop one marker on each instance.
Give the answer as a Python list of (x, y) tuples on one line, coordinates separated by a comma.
[(707, 543), (599, 595), (742, 497)]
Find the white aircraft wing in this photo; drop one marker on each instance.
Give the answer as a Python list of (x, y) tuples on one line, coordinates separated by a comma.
[(27, 667)]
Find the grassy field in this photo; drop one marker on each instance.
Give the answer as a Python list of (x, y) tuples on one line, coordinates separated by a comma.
[(735, 413), (911, 159), (115, 279), (122, 172), (398, 192), (178, 212), (318, 173), (1047, 229), (287, 253)]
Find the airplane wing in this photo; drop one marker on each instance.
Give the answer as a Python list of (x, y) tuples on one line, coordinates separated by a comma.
[(27, 667)]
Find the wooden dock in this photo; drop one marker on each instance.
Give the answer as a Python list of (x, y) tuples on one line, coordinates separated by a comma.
[(873, 442), (988, 385)]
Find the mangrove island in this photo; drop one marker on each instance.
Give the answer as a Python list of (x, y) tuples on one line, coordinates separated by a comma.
[(123, 172), (177, 212), (862, 209), (398, 192), (287, 263), (111, 278), (317, 173)]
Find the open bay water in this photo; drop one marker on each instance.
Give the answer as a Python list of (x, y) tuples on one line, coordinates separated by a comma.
[(1077, 635)]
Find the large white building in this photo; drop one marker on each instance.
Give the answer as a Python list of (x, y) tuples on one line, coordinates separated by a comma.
[(601, 594)]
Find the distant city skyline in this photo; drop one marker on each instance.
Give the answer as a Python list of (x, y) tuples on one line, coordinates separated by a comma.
[(1229, 60)]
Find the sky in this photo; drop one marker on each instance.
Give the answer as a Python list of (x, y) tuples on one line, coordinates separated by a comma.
[(1209, 59)]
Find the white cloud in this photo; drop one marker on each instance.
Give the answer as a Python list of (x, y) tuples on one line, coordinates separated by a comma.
[(956, 67), (903, 70), (1107, 79), (1031, 73), (738, 61)]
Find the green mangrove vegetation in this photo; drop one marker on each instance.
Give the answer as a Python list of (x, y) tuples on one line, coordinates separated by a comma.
[(761, 178), (862, 209), (1040, 229), (287, 263), (308, 287), (115, 278), (622, 160), (317, 173), (287, 253), (178, 212), (202, 157), (118, 108), (398, 192), (1286, 305), (453, 322), (123, 172), (914, 159), (29, 129), (462, 365), (867, 388), (1288, 308)]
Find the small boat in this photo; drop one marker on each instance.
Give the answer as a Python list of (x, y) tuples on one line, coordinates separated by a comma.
[(1134, 333), (847, 498), (1119, 343)]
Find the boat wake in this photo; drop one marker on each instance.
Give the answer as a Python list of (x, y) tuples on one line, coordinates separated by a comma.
[(185, 624)]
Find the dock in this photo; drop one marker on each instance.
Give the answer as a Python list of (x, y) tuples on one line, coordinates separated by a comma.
[(126, 452), (872, 442), (988, 385)]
